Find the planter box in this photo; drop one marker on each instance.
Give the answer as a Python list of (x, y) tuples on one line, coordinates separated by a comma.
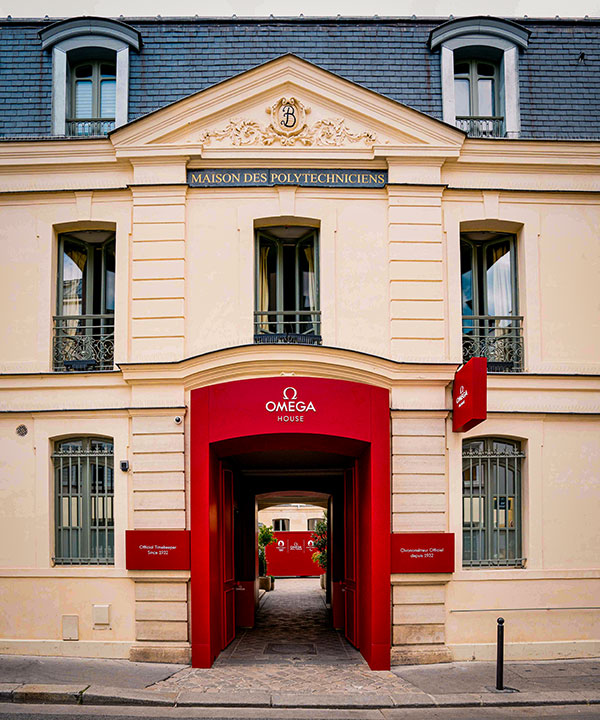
[(265, 583)]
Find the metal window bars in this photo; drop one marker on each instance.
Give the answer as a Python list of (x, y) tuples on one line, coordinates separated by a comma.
[(499, 338), (301, 327), (481, 127), (492, 497), (89, 127), (83, 342), (84, 503)]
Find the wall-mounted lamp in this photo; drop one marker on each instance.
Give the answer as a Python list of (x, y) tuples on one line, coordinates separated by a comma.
[(124, 464)]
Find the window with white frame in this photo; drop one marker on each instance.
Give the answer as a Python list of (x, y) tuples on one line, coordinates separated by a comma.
[(492, 503), (90, 74), (84, 501), (480, 74), (311, 523)]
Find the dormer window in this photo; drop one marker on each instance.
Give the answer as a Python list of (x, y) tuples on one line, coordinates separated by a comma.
[(90, 74), (93, 99), (480, 74), (477, 103)]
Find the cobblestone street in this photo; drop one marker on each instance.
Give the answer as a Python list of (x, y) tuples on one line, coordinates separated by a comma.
[(291, 648)]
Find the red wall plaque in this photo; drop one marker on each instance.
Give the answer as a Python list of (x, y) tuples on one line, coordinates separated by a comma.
[(157, 549), (291, 555), (422, 552), (469, 395)]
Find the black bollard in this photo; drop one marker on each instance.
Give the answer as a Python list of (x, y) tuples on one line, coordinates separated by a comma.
[(500, 656)]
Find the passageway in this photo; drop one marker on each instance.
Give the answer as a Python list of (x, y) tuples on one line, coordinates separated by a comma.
[(292, 626)]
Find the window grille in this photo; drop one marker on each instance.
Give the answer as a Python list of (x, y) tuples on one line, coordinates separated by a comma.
[(492, 499), (84, 501), (281, 525)]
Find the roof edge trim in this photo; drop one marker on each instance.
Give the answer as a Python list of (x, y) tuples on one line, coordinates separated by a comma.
[(481, 25), (88, 25)]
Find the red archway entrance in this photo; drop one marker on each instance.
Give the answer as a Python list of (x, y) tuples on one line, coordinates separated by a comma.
[(292, 414)]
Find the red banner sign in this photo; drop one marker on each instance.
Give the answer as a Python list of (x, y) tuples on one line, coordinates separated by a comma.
[(422, 552), (157, 549), (291, 555), (469, 395)]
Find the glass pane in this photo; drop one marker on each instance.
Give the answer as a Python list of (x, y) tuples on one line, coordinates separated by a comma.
[(461, 68), (74, 269), (466, 271), (485, 93), (83, 99), (107, 70), (83, 71), (485, 69), (461, 97), (306, 259), (109, 280), (473, 551), (498, 279), (108, 97)]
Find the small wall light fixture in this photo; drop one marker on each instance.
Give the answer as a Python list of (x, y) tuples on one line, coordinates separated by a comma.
[(124, 464)]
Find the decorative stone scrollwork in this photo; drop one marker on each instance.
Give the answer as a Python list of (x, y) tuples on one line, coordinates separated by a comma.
[(288, 127)]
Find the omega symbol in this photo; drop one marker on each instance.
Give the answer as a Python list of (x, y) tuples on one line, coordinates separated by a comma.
[(293, 396), (289, 116)]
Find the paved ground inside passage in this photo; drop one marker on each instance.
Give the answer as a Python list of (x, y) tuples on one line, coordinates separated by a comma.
[(292, 648)]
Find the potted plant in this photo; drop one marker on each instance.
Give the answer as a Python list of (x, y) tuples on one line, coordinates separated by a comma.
[(320, 542), (265, 537)]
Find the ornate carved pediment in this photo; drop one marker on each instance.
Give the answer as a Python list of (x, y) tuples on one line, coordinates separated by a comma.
[(288, 127)]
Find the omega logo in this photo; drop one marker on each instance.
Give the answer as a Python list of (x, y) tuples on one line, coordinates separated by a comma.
[(462, 396), (290, 404)]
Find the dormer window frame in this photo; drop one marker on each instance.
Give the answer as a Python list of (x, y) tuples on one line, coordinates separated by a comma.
[(474, 39), (68, 39)]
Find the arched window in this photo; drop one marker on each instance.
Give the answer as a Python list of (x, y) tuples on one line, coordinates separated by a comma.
[(84, 323), (492, 502), (492, 327), (90, 74), (476, 98), (287, 286), (479, 58), (84, 501), (281, 524), (93, 98)]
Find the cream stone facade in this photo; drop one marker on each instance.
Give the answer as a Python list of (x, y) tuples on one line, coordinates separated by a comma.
[(390, 300)]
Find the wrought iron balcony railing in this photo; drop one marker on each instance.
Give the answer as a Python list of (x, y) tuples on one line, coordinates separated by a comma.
[(83, 342), (481, 127), (496, 337), (90, 127), (287, 327)]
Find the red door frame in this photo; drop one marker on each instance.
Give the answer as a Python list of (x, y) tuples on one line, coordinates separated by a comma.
[(292, 413)]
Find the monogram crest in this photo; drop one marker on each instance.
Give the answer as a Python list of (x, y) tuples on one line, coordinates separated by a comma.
[(288, 127), (288, 116)]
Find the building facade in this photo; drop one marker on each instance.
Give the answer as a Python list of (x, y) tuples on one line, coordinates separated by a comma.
[(243, 260)]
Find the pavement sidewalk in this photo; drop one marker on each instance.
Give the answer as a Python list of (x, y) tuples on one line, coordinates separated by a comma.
[(120, 682)]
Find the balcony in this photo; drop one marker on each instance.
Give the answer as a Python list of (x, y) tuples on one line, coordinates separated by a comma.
[(497, 338), (83, 342), (481, 127), (287, 327), (90, 127)]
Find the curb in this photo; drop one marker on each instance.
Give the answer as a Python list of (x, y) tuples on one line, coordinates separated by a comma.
[(101, 695)]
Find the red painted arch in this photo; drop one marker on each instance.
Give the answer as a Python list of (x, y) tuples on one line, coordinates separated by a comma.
[(333, 415)]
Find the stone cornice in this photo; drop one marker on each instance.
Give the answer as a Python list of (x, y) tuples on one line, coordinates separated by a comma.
[(252, 361)]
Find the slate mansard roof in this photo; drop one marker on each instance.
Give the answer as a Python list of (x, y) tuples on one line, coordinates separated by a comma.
[(559, 72)]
